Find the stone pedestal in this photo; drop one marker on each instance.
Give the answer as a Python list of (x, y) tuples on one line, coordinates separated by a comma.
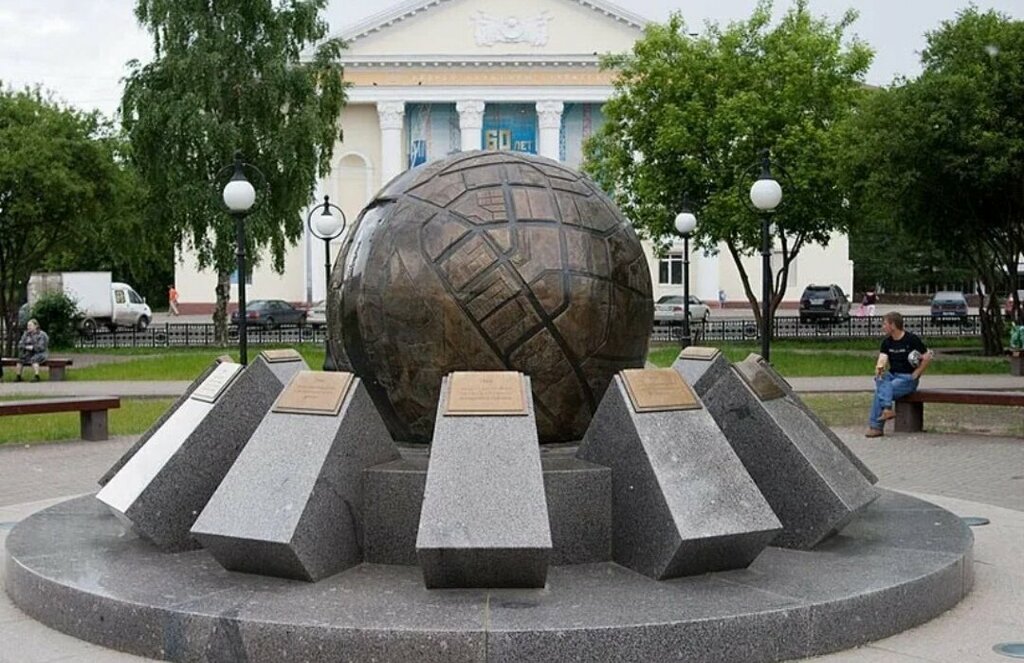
[(682, 503), (116, 467), (292, 504), (484, 521), (162, 488), (811, 485)]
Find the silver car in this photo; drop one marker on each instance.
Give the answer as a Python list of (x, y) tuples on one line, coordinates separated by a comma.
[(318, 313), (669, 310)]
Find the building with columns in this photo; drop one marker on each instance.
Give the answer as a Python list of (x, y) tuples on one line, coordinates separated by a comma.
[(433, 77)]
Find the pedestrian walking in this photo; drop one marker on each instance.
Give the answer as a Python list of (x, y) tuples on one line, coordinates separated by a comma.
[(172, 299)]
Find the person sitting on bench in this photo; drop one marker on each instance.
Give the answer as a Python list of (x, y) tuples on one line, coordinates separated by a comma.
[(33, 346), (908, 358)]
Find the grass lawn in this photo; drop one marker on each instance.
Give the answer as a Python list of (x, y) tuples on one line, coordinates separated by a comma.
[(132, 418), (820, 359)]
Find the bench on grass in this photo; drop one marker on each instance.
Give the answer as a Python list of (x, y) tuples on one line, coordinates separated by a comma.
[(93, 411), (57, 366), (910, 409)]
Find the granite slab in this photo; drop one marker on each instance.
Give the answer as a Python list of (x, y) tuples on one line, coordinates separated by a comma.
[(292, 504), (682, 502), (811, 485), (162, 489), (484, 521)]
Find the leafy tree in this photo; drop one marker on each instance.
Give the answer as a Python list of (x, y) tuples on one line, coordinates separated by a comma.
[(59, 177), (690, 114), (943, 154), (57, 315), (228, 76)]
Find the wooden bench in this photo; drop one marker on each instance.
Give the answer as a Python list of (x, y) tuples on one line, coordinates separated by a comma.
[(93, 411), (56, 365), (910, 409)]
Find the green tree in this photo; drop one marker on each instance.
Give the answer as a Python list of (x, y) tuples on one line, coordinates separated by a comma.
[(943, 154), (59, 179), (231, 75), (690, 114)]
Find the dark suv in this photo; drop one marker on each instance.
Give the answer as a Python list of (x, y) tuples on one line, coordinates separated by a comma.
[(824, 302)]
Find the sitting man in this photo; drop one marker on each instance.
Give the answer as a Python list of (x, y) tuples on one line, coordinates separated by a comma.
[(33, 346), (908, 358)]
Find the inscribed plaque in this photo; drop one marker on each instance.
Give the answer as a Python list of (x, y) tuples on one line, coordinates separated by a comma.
[(757, 373), (658, 389), (214, 385), (275, 356), (314, 392), (485, 393), (699, 352)]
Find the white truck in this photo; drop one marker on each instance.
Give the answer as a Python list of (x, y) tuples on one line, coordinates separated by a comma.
[(100, 300)]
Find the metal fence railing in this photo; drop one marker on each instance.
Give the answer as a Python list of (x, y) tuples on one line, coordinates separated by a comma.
[(725, 329)]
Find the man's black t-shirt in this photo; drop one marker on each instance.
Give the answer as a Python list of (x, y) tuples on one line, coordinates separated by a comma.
[(898, 351)]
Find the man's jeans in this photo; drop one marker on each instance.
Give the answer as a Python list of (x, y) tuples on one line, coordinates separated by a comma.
[(888, 388)]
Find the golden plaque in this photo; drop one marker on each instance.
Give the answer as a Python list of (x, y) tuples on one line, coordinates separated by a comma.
[(699, 352), (314, 392), (216, 382), (278, 356), (486, 393), (658, 390), (758, 375)]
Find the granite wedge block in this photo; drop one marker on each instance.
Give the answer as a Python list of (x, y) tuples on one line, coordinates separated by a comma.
[(682, 502), (484, 521), (578, 496), (116, 467), (162, 489), (292, 504), (810, 483)]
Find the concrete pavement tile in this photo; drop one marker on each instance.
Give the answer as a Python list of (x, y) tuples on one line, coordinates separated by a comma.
[(869, 654), (29, 641)]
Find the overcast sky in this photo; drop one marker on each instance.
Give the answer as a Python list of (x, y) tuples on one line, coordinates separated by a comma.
[(78, 48)]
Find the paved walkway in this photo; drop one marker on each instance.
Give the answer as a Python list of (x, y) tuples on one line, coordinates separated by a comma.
[(145, 389), (970, 475)]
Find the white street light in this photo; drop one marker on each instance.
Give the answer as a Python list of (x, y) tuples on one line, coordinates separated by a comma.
[(766, 193)]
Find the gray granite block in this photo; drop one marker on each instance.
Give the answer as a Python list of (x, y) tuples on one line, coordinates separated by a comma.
[(484, 521), (578, 496), (73, 568), (810, 484), (116, 467), (162, 489), (292, 504), (682, 503)]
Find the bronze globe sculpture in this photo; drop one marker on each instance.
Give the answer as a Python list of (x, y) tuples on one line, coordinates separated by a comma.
[(490, 261)]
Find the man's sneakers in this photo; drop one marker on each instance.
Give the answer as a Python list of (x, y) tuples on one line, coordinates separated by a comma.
[(874, 432), (888, 414)]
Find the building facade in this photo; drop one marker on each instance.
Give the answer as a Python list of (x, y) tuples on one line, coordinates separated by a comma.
[(433, 77)]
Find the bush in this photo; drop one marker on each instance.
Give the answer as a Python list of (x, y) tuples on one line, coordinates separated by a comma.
[(58, 316)]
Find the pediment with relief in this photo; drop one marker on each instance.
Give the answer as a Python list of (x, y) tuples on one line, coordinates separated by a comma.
[(494, 28)]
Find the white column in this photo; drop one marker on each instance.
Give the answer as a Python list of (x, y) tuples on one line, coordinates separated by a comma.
[(549, 119), (392, 114), (471, 124), (708, 279)]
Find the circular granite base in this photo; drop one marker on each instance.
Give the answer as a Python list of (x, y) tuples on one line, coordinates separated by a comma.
[(75, 568)]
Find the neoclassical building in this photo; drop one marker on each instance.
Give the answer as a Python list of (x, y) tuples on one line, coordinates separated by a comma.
[(432, 77)]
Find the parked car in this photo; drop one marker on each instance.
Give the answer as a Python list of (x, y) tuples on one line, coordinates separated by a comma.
[(949, 305), (318, 313), (270, 313), (824, 302), (669, 310), (1008, 304)]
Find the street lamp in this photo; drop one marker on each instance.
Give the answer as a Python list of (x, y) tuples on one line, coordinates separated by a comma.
[(327, 226), (686, 223), (765, 196), (239, 197)]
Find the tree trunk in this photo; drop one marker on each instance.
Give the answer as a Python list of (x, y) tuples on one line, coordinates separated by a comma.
[(992, 329), (220, 314), (745, 279)]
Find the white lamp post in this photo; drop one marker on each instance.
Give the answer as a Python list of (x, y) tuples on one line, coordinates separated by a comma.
[(239, 197)]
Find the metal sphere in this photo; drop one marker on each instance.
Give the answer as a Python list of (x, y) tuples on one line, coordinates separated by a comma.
[(490, 261)]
